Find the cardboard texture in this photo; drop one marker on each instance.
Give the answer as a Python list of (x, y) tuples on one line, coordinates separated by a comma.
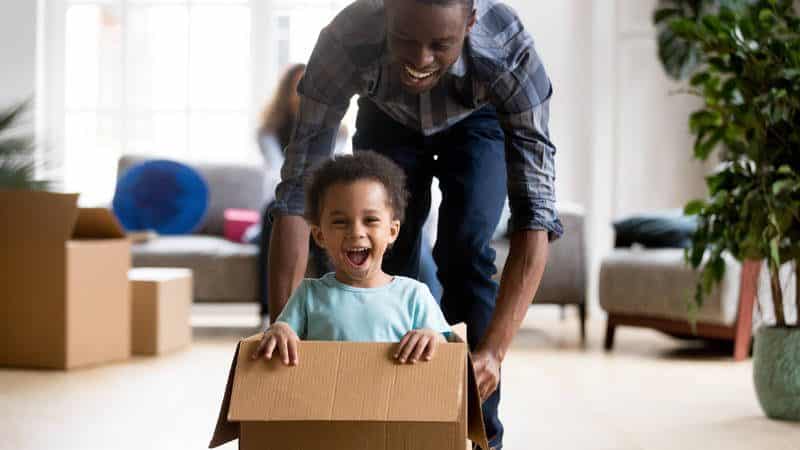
[(347, 395), (161, 301), (63, 283)]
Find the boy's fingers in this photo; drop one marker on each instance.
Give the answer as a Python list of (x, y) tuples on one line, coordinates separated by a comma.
[(422, 344), (269, 348), (431, 349), (401, 345), (293, 352), (259, 349), (284, 350), (412, 342)]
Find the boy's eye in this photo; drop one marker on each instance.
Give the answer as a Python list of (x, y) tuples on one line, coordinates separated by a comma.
[(338, 222), (372, 219)]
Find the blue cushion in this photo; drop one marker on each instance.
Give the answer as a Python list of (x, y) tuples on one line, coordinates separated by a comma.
[(161, 195), (668, 229)]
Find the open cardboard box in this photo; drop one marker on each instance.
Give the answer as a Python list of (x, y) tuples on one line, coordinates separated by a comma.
[(64, 296), (350, 396)]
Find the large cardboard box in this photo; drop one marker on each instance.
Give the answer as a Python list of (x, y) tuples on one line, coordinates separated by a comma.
[(64, 295), (350, 396), (161, 309)]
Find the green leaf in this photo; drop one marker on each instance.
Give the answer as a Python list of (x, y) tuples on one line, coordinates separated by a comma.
[(699, 78), (694, 207), (766, 15), (780, 186), (785, 170), (773, 251)]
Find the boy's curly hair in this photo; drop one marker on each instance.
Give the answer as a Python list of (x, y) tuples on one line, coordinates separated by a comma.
[(364, 165)]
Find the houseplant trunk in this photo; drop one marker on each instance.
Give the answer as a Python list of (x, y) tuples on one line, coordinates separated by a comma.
[(776, 362)]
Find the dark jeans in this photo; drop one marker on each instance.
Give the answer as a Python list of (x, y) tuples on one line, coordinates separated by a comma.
[(468, 159)]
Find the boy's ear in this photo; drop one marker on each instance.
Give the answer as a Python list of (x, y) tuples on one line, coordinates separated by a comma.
[(394, 231), (316, 234)]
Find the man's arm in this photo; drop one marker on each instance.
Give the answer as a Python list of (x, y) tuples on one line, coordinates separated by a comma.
[(521, 96), (520, 280), (288, 256)]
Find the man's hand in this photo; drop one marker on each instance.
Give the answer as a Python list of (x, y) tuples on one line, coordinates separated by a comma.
[(418, 344), (282, 337), (487, 372)]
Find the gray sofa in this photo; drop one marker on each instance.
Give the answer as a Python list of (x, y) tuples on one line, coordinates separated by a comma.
[(224, 271), (564, 280)]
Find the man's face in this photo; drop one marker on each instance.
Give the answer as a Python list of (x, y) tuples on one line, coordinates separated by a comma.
[(425, 40)]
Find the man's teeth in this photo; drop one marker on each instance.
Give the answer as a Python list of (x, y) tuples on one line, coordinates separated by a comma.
[(418, 75)]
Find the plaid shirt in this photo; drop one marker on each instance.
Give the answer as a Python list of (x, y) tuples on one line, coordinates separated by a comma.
[(498, 66)]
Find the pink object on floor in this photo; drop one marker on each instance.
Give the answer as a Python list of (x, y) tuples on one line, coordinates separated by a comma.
[(237, 221)]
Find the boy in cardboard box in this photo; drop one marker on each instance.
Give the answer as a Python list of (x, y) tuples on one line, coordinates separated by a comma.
[(355, 206)]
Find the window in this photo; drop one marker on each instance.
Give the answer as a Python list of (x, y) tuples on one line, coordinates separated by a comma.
[(181, 79)]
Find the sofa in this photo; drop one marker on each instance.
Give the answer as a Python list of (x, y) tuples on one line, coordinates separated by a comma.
[(564, 279), (224, 271)]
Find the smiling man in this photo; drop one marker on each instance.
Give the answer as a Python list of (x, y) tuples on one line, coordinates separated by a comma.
[(451, 89)]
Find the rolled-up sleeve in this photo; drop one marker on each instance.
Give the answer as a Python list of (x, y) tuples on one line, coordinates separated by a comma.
[(521, 96), (325, 90)]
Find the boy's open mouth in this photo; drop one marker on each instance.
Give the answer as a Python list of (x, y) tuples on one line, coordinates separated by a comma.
[(357, 256)]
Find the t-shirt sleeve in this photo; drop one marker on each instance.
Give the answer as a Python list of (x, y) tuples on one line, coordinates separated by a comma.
[(427, 313), (294, 313)]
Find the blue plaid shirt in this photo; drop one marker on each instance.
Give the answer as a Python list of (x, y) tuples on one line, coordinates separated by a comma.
[(498, 66)]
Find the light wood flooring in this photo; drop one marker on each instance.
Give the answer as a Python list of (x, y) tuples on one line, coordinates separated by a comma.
[(651, 393)]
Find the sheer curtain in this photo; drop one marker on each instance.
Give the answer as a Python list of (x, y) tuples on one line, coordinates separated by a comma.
[(182, 79)]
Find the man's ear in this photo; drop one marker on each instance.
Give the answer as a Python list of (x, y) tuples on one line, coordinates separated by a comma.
[(394, 231), (473, 18), (316, 234)]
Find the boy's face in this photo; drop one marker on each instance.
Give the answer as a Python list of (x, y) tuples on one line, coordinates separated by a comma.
[(356, 227), (425, 40)]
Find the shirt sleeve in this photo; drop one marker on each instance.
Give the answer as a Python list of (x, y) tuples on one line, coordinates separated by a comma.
[(427, 313), (330, 80), (521, 95), (294, 313)]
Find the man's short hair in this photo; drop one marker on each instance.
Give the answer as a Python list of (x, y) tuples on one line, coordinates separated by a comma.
[(468, 4), (364, 165)]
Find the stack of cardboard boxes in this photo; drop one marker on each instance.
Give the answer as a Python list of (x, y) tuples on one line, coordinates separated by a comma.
[(64, 285)]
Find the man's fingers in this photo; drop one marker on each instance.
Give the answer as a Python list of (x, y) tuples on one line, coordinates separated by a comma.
[(410, 345), (294, 358)]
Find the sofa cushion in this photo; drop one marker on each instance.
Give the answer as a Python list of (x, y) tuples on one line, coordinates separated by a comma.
[(657, 283), (230, 185), (669, 229), (223, 270)]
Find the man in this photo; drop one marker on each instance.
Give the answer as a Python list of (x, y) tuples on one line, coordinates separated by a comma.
[(451, 89)]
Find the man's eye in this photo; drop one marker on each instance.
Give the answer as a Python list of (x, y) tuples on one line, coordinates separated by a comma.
[(441, 47), (338, 222)]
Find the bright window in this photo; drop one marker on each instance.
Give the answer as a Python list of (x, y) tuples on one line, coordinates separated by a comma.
[(182, 79)]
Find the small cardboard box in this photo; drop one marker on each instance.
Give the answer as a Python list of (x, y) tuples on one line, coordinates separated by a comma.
[(64, 295), (161, 309), (350, 396)]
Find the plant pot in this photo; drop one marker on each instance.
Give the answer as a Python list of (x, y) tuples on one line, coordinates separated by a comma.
[(776, 372)]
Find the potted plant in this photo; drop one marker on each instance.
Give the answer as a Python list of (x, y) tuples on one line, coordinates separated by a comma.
[(743, 61), (17, 160)]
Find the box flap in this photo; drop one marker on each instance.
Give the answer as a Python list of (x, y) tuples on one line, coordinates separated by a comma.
[(476, 431), (226, 431), (38, 214), (348, 381), (97, 223)]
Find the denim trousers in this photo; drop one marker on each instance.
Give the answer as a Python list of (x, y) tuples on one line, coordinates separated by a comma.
[(468, 159)]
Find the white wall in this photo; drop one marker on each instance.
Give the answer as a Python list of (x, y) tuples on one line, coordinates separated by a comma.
[(562, 34), (18, 50)]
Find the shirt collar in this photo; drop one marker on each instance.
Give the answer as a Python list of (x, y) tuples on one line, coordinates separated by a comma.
[(459, 68)]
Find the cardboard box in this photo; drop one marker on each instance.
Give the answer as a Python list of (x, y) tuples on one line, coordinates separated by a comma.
[(64, 295), (350, 396), (161, 309)]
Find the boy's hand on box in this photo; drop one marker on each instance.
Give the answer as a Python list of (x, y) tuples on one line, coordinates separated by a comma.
[(281, 337), (418, 344)]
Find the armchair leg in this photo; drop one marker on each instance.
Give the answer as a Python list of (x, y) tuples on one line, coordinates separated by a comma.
[(582, 314), (611, 327)]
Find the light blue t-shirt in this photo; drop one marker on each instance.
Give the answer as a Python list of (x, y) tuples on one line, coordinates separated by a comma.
[(326, 309)]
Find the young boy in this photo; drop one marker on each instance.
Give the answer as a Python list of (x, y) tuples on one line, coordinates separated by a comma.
[(355, 205)]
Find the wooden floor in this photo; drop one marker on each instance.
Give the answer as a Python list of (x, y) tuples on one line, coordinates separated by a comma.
[(651, 393)]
